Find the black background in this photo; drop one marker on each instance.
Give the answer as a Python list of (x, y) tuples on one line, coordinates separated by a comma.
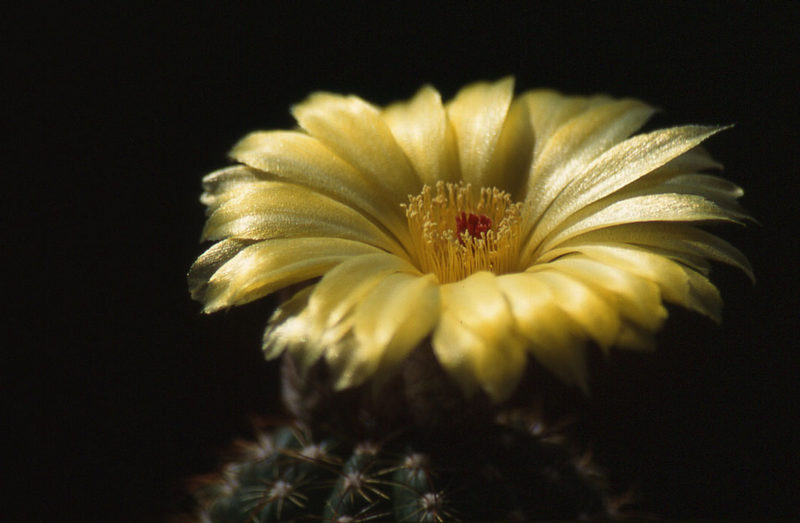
[(120, 388)]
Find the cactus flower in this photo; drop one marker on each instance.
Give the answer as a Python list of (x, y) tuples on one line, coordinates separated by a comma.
[(494, 227)]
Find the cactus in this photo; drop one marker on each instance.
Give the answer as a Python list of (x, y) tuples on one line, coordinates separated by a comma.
[(518, 468)]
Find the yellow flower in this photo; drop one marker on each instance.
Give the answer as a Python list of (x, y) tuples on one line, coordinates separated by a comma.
[(497, 227)]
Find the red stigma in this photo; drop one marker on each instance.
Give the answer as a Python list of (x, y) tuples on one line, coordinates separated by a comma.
[(475, 225)]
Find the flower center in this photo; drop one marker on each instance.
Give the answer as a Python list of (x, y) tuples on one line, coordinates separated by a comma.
[(457, 232), (473, 224)]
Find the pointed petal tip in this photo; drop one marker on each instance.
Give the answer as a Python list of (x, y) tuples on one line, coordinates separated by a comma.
[(509, 80), (271, 348), (211, 308)]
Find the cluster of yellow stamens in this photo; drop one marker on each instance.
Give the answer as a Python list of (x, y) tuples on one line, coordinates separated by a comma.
[(458, 231)]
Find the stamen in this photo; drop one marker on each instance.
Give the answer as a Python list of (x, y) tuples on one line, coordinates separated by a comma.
[(456, 236)]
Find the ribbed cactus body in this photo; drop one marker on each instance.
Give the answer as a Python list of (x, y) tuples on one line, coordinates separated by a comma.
[(512, 470)]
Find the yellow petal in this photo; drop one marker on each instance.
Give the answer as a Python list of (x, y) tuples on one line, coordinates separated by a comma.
[(477, 113), (619, 166), (635, 337), (576, 144), (301, 159), (422, 130), (456, 348), (627, 162), (548, 111), (668, 179), (211, 260), (704, 296), (288, 327), (269, 265), (676, 239), (388, 324), (599, 318), (713, 188), (694, 160), (679, 284), (346, 285), (355, 131), (220, 185), (401, 319), (554, 339), (638, 299), (475, 340), (268, 209), (655, 207), (707, 182), (513, 153)]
